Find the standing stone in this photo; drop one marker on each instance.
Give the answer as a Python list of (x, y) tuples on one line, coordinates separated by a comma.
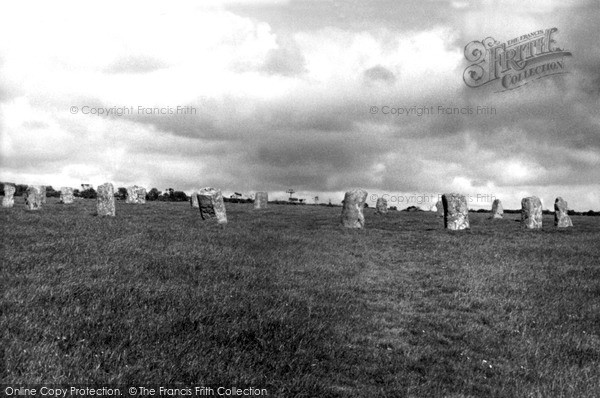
[(210, 202), (141, 195), (105, 203), (531, 212), (43, 193), (381, 206), (260, 200), (194, 199), (66, 195), (131, 195), (561, 217), (136, 195), (9, 195), (497, 209), (33, 197), (439, 208), (456, 211), (352, 211)]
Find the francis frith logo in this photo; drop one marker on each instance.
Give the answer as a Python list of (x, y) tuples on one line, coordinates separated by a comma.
[(514, 63)]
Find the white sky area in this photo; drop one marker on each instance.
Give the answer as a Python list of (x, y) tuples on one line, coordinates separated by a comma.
[(280, 94)]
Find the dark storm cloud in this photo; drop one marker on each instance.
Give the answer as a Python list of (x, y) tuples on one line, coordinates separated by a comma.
[(319, 134), (380, 73)]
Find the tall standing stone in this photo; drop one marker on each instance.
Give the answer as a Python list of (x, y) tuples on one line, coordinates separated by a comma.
[(456, 211), (105, 202), (352, 211), (381, 206), (210, 202), (194, 199), (260, 200), (66, 195), (561, 216), (33, 196), (9, 195), (531, 212), (439, 206), (43, 193), (497, 209)]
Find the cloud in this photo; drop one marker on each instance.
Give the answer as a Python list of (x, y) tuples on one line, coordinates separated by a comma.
[(282, 94), (378, 72), (286, 60)]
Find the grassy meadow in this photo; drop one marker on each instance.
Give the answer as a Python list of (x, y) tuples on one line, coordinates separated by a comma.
[(286, 299)]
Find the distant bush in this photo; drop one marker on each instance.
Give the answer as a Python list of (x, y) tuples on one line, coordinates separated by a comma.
[(20, 189), (121, 193), (393, 208), (51, 193), (153, 194), (239, 200), (89, 193)]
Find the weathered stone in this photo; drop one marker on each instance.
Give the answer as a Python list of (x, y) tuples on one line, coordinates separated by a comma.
[(33, 196), (352, 210), (439, 208), (43, 193), (260, 200), (131, 194), (456, 211), (9, 195), (194, 199), (531, 212), (561, 216), (141, 195), (136, 195), (210, 202), (105, 202), (66, 195), (381, 206), (497, 209)]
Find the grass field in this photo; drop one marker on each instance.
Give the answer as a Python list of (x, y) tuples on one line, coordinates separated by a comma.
[(287, 300)]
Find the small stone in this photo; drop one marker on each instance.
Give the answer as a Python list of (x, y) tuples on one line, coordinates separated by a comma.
[(33, 196), (141, 195), (9, 195), (105, 203), (66, 195), (439, 208), (497, 209), (194, 199), (531, 212), (210, 202), (352, 210), (381, 206), (456, 211), (561, 216), (136, 195), (260, 200), (132, 196)]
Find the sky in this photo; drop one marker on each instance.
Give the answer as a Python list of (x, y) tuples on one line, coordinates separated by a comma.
[(272, 95)]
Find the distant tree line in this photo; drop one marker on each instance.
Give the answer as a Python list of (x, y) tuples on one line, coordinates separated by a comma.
[(170, 195)]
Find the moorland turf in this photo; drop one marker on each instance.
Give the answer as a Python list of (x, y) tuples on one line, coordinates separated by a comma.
[(286, 299)]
